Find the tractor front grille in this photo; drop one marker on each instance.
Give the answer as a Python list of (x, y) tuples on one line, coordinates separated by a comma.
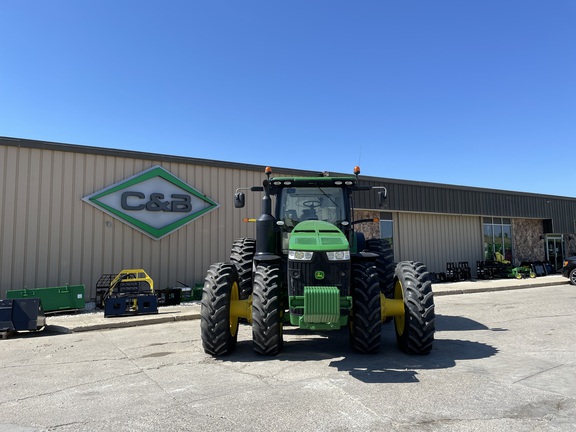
[(308, 273)]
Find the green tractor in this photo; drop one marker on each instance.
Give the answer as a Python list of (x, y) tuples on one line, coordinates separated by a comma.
[(309, 268)]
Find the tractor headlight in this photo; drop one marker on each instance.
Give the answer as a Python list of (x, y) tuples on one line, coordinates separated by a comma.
[(300, 255), (338, 255)]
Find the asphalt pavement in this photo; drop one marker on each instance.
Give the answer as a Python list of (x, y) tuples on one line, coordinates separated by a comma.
[(502, 361), (90, 320)]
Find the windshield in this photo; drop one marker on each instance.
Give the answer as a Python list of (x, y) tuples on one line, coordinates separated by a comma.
[(299, 204)]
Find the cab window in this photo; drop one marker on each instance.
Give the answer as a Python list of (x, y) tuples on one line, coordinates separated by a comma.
[(299, 204)]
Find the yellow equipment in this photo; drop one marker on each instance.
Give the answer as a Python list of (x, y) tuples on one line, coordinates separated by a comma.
[(131, 292)]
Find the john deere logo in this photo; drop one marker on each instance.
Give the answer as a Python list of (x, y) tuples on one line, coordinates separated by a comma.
[(319, 274), (154, 202)]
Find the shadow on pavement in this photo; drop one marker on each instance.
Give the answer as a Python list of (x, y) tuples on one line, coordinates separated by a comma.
[(389, 366), (459, 323)]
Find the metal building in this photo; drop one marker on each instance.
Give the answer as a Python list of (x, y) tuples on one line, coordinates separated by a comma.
[(59, 223)]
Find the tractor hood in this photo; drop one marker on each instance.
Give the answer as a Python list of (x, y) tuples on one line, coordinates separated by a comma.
[(314, 235)]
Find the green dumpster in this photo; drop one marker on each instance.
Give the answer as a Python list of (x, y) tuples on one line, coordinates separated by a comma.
[(54, 299), (197, 291)]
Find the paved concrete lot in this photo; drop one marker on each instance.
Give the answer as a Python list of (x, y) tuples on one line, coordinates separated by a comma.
[(502, 361)]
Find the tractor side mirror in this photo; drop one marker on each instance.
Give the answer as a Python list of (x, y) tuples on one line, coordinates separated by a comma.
[(239, 199), (382, 195)]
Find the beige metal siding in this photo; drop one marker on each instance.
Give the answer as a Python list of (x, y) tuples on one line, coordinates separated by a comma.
[(50, 237), (437, 239)]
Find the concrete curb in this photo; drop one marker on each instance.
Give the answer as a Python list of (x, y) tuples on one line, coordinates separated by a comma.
[(492, 289), (95, 321), (133, 322)]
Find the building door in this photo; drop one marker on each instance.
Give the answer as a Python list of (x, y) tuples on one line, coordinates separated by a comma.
[(555, 250), (437, 240)]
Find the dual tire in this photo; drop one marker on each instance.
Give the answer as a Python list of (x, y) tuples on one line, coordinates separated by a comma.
[(218, 328), (415, 330), (365, 318), (267, 310)]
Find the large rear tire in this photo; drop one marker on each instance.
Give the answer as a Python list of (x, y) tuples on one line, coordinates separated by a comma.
[(365, 318), (219, 330), (384, 264), (267, 310), (242, 254), (414, 330)]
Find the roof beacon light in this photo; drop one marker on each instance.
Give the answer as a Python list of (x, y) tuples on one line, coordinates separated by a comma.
[(268, 170), (356, 170)]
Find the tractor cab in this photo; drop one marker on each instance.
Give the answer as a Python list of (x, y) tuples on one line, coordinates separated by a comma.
[(315, 199)]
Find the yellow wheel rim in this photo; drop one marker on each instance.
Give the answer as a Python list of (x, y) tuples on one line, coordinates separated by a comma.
[(399, 321), (234, 295)]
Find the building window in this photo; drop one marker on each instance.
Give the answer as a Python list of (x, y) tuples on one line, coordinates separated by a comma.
[(387, 228), (497, 239)]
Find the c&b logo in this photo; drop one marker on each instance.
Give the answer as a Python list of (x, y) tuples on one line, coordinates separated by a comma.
[(154, 202)]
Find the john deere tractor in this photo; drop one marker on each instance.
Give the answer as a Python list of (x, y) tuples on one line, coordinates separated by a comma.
[(308, 267)]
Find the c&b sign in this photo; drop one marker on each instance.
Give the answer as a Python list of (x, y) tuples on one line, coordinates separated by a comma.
[(154, 202)]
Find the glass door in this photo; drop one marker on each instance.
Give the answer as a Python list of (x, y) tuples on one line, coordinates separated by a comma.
[(555, 250)]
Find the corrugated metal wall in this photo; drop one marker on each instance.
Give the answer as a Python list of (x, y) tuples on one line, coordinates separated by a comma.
[(50, 237), (437, 239), (434, 198)]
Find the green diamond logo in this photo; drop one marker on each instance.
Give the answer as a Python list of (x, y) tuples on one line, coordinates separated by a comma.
[(155, 202), (318, 274)]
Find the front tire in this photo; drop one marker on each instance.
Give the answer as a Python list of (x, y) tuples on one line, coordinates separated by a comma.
[(414, 330), (218, 328), (267, 311), (365, 318)]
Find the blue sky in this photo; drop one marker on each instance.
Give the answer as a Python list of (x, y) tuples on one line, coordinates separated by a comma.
[(464, 92)]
